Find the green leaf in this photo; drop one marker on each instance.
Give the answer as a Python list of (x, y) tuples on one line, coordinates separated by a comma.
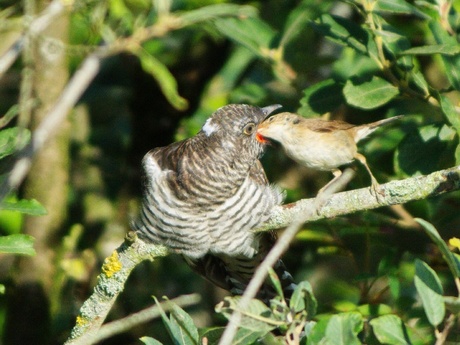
[(395, 43), (303, 299), (183, 326), (276, 282), (10, 114), (321, 98), (389, 329), (344, 328), (242, 31), (163, 76), (12, 140), (317, 335), (150, 341), (169, 326), (180, 325), (453, 264), (2, 289), (452, 304), (449, 110), (216, 11), (17, 244), (451, 63), (295, 23), (426, 149), (370, 94), (243, 336), (443, 49), (429, 288), (398, 7), (256, 317), (419, 79), (352, 64), (346, 32), (31, 207)]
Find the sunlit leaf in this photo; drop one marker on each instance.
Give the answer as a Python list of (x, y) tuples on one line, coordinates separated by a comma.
[(12, 140), (17, 244), (449, 110), (369, 94), (389, 329), (398, 7), (451, 63), (243, 336), (452, 304), (430, 290), (444, 49), (31, 207), (150, 341), (343, 329), (163, 76), (303, 299), (183, 326), (216, 11), (452, 262), (255, 317), (242, 31)]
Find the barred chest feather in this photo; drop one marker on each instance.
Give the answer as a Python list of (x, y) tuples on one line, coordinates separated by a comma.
[(207, 219)]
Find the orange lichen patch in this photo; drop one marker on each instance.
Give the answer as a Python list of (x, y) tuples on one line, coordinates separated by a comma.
[(111, 265)]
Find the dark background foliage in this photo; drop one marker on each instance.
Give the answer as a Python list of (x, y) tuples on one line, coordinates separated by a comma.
[(314, 58)]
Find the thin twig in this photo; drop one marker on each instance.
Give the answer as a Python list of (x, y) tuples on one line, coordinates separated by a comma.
[(36, 26), (71, 94), (119, 326), (442, 336), (111, 282)]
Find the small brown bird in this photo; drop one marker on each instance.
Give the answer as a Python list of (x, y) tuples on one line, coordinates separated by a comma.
[(320, 144)]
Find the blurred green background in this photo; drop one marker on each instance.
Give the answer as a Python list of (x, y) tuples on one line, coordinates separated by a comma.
[(285, 52)]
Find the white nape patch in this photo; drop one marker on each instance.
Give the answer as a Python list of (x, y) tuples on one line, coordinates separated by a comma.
[(209, 127)]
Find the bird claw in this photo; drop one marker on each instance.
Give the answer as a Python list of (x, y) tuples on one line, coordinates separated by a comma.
[(377, 190)]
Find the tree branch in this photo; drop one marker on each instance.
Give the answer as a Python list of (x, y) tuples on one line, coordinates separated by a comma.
[(150, 313), (119, 265), (71, 94), (111, 281), (395, 192), (39, 24)]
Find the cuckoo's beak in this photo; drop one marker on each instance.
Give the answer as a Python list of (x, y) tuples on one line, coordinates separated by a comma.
[(270, 109)]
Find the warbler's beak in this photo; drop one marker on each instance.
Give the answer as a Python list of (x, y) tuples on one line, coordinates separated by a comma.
[(259, 135), (266, 112)]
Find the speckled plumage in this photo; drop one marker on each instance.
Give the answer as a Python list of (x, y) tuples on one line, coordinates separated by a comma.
[(204, 195)]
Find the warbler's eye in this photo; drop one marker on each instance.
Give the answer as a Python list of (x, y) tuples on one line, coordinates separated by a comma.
[(249, 128)]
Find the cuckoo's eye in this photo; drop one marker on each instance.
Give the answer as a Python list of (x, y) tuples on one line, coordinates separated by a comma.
[(249, 128)]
